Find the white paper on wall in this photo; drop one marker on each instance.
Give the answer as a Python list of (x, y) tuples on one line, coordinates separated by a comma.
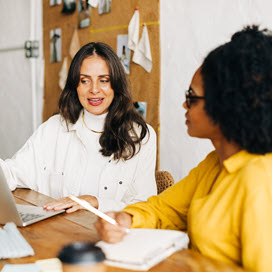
[(142, 53), (93, 3), (133, 30), (63, 73), (75, 45)]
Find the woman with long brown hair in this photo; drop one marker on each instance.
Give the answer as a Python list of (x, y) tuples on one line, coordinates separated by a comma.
[(98, 147)]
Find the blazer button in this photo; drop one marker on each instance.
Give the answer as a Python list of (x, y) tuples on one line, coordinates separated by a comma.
[(105, 187), (120, 182)]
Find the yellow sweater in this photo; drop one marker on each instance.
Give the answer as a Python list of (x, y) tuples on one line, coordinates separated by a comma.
[(232, 223)]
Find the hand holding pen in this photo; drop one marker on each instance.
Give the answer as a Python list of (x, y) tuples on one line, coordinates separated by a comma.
[(110, 233), (111, 226)]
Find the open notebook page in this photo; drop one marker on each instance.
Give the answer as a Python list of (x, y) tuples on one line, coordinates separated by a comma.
[(143, 248)]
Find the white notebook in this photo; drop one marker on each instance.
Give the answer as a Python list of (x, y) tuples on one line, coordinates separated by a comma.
[(143, 248)]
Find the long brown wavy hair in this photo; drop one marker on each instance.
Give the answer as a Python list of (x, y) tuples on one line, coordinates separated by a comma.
[(120, 136)]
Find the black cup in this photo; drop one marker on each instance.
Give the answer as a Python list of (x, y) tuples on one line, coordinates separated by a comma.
[(80, 254)]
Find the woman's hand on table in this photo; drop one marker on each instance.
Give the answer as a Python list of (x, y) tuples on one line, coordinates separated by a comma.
[(69, 204)]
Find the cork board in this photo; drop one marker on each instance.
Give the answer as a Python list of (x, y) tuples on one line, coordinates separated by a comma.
[(105, 28)]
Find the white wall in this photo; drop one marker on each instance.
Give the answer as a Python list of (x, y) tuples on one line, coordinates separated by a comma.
[(189, 30), (20, 20)]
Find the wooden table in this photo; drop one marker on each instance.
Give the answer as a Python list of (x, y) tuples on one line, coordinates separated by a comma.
[(47, 237)]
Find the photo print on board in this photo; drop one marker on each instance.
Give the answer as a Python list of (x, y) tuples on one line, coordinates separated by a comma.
[(141, 108), (104, 6), (84, 14), (55, 45), (123, 52), (69, 6), (55, 2)]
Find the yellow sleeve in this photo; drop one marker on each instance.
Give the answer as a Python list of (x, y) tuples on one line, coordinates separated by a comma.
[(169, 209), (256, 226)]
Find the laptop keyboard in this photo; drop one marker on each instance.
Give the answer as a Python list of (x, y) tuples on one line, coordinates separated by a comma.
[(29, 213), (26, 217)]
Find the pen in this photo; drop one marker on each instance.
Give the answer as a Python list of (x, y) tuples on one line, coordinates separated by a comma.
[(102, 215)]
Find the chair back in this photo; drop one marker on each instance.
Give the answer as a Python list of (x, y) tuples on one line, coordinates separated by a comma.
[(164, 180)]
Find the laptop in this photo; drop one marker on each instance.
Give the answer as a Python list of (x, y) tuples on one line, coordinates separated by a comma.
[(21, 215)]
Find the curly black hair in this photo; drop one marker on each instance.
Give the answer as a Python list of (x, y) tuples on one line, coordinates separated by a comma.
[(237, 80)]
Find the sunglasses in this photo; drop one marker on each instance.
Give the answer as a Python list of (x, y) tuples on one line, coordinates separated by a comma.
[(190, 98)]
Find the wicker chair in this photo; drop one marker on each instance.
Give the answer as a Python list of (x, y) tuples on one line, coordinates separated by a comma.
[(164, 180)]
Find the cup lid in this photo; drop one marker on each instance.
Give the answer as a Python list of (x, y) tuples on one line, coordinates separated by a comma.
[(81, 253)]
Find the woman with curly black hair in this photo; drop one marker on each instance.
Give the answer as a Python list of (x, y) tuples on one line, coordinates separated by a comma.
[(225, 203), (98, 148)]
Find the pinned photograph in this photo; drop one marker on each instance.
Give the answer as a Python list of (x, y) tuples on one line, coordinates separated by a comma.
[(123, 52), (69, 6), (141, 108), (55, 2), (84, 14), (104, 6), (55, 45)]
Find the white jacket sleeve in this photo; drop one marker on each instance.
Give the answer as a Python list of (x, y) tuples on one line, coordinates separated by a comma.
[(21, 169), (144, 183), (24, 168)]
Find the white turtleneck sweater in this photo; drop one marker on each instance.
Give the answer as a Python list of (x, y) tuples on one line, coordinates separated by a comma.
[(96, 161)]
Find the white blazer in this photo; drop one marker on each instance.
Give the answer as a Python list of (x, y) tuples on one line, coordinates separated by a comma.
[(53, 161)]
